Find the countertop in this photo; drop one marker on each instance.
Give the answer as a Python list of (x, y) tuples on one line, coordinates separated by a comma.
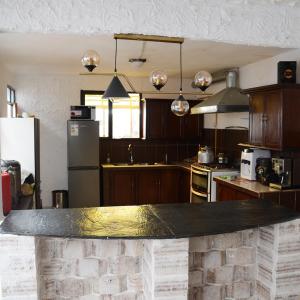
[(183, 165), (161, 221), (252, 187)]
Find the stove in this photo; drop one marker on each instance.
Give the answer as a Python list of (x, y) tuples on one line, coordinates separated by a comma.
[(211, 166), (203, 186)]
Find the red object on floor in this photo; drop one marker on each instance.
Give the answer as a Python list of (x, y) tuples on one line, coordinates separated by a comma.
[(6, 194)]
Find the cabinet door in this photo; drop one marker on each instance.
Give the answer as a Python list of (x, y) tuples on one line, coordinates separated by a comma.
[(119, 188), (148, 182), (154, 119), (171, 122), (191, 125), (184, 186), (273, 120), (169, 186), (225, 193), (256, 119)]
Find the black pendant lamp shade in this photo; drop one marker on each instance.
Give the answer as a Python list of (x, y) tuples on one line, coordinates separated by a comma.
[(115, 89)]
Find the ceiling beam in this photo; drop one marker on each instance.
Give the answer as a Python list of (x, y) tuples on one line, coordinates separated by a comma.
[(148, 38)]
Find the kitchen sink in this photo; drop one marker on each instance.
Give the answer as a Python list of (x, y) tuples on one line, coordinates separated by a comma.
[(136, 164)]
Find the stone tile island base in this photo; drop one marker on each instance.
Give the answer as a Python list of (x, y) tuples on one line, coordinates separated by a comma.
[(262, 263)]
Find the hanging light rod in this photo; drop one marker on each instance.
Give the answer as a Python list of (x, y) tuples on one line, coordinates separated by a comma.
[(148, 38), (133, 90)]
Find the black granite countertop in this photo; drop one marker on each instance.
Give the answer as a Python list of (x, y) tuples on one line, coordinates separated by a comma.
[(162, 221)]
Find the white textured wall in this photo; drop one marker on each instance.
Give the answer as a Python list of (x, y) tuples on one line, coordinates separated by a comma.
[(5, 79), (49, 97), (264, 72), (253, 22)]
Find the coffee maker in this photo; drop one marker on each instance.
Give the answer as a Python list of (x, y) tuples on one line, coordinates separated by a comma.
[(264, 171), (285, 170)]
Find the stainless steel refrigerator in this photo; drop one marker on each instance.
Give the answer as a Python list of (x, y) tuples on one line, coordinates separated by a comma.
[(83, 163)]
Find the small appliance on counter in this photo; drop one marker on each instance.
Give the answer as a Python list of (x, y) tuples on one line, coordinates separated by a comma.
[(205, 155), (264, 171), (248, 161), (287, 173), (82, 112)]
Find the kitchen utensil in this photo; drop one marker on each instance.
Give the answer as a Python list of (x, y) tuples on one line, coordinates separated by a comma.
[(205, 155)]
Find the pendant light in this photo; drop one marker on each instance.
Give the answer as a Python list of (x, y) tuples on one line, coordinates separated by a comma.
[(180, 106), (90, 60), (115, 89), (158, 79), (202, 80)]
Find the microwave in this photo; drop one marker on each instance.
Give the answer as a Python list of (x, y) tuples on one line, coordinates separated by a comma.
[(82, 112)]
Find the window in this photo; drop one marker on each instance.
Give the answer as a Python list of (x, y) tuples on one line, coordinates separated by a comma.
[(119, 119), (102, 111), (11, 102)]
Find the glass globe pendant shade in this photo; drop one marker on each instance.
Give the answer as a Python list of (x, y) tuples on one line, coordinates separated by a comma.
[(203, 80), (180, 106), (90, 60), (158, 79)]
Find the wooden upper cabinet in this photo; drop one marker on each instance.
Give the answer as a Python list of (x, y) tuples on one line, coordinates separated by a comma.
[(274, 116), (272, 120), (192, 125), (154, 119), (171, 122), (162, 123), (256, 119)]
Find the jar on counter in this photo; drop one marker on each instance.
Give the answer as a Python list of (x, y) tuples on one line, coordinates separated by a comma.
[(222, 159)]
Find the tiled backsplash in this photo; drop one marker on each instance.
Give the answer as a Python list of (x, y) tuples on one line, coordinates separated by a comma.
[(176, 150)]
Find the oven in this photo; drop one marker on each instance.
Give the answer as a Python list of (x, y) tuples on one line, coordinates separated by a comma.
[(200, 185)]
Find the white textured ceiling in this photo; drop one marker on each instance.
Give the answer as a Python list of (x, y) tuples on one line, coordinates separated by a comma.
[(61, 53), (252, 22)]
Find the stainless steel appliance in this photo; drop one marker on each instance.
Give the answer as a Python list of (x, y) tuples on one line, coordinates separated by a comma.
[(228, 100), (83, 163), (83, 112), (203, 187), (264, 171), (287, 172), (205, 155), (248, 161)]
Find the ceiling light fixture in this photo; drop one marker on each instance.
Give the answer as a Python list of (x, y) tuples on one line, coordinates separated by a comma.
[(180, 106), (90, 60), (158, 79), (115, 89), (202, 80)]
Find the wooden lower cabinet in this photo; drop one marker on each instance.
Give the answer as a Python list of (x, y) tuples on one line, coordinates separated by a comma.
[(226, 193), (148, 187), (286, 198), (119, 188), (137, 187)]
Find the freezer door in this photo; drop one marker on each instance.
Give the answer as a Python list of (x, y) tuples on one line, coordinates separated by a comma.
[(83, 143), (84, 188)]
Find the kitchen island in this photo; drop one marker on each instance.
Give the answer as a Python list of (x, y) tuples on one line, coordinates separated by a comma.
[(237, 249)]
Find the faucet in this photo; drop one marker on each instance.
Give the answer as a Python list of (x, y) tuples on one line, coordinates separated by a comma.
[(130, 150)]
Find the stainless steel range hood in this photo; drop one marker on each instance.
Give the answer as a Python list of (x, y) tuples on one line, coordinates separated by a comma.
[(228, 100)]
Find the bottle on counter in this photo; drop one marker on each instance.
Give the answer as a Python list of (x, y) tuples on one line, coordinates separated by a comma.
[(108, 158)]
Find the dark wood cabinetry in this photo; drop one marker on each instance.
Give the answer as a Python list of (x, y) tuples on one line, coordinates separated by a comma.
[(137, 186), (120, 187), (162, 123), (274, 111), (226, 193), (287, 198)]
